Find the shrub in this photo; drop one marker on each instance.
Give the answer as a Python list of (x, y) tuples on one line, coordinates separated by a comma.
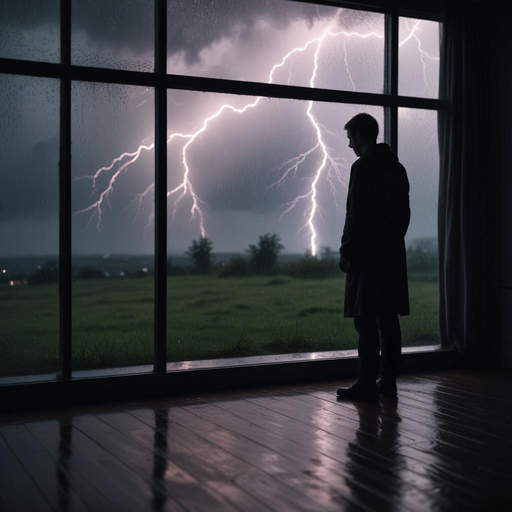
[(237, 266), (311, 268), (46, 273)]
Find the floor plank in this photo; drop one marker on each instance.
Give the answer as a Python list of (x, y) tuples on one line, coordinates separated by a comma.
[(445, 445), (19, 492), (52, 479)]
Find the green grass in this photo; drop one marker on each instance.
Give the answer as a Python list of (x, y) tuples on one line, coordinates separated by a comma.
[(208, 317)]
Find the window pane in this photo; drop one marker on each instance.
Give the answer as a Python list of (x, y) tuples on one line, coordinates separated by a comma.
[(113, 160), (116, 35), (276, 41), (419, 58), (29, 225), (234, 182), (419, 152), (30, 30)]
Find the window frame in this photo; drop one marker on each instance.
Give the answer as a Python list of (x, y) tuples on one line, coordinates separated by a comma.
[(161, 82)]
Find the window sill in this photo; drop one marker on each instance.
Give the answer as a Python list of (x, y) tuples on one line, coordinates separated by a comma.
[(204, 376), (204, 364)]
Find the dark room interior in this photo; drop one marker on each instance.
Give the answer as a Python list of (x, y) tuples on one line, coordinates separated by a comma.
[(172, 332)]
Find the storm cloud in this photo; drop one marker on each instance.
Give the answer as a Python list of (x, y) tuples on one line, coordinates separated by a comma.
[(192, 25)]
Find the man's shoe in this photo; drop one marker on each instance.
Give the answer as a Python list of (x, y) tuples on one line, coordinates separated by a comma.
[(387, 387), (360, 390)]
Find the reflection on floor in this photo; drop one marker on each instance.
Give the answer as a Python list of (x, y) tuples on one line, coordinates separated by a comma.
[(445, 444)]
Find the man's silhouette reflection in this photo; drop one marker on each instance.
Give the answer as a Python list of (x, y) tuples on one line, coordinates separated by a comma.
[(372, 253), (374, 457)]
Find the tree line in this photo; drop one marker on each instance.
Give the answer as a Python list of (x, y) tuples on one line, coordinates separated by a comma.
[(260, 258)]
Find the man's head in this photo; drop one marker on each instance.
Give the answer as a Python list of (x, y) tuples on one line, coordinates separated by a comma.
[(362, 132)]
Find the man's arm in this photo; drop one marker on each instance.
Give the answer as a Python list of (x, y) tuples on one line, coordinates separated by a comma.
[(406, 209), (356, 219)]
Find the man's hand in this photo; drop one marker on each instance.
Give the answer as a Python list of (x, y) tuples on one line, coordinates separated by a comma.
[(344, 264)]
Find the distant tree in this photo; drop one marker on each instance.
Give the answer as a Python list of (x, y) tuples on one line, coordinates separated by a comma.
[(199, 254), (263, 257), (46, 273), (90, 272)]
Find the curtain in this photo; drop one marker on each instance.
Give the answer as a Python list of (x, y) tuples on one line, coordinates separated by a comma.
[(464, 137)]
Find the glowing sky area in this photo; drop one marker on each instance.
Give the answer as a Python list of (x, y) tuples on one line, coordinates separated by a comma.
[(238, 167)]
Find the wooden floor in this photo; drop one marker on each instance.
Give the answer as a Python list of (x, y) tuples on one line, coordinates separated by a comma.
[(445, 445)]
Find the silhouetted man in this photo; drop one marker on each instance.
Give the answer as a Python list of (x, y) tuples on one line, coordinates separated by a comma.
[(372, 253)]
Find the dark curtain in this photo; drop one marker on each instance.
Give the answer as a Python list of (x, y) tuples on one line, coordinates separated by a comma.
[(464, 137)]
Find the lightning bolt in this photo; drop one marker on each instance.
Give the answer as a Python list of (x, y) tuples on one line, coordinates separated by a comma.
[(326, 157), (328, 165), (422, 53)]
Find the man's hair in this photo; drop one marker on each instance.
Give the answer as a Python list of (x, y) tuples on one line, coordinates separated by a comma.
[(366, 125)]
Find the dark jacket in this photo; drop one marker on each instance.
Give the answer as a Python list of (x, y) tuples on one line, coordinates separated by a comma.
[(376, 222)]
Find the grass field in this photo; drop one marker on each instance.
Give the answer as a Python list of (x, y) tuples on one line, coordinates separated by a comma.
[(208, 317)]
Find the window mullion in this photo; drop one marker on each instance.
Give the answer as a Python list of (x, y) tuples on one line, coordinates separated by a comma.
[(160, 356), (65, 281), (391, 80)]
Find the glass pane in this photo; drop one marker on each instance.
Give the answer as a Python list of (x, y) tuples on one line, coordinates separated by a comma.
[(277, 41), (418, 58), (113, 238), (30, 30), (115, 35), (29, 225), (241, 168), (419, 152)]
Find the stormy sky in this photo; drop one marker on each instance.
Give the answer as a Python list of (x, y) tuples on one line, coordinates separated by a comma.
[(235, 163)]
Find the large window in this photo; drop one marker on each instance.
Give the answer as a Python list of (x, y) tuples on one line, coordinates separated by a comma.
[(203, 177)]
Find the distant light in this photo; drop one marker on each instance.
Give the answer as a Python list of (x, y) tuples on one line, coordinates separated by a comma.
[(121, 274), (11, 283), (4, 271), (145, 270)]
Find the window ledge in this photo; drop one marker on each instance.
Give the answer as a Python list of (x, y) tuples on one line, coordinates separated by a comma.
[(204, 364), (205, 376)]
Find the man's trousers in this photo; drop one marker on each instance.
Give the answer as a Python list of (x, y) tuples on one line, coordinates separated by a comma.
[(370, 344)]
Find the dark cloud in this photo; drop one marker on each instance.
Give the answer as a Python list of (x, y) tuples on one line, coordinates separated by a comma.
[(192, 24), (195, 24), (30, 188)]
